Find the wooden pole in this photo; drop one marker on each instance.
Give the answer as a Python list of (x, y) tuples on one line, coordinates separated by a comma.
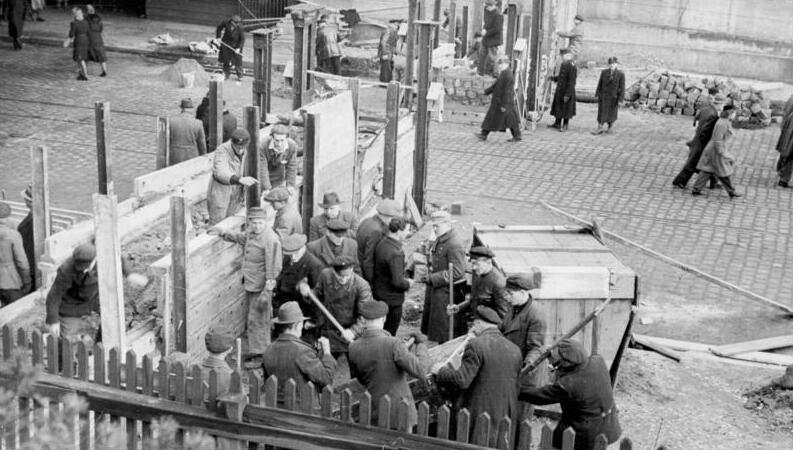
[(436, 16), (535, 57), (420, 156), (103, 155), (215, 114), (410, 54), (263, 70), (453, 26), (163, 142), (525, 26), (451, 299), (477, 15), (40, 208), (108, 268), (179, 271), (466, 34), (512, 29), (300, 60), (354, 85), (391, 139), (251, 123), (310, 145)]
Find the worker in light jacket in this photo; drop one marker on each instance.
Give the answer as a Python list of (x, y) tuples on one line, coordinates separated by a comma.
[(226, 187)]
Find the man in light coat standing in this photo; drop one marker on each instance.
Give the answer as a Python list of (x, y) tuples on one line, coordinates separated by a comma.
[(609, 93), (226, 187), (187, 135)]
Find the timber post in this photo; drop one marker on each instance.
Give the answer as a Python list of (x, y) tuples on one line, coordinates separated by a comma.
[(250, 121), (354, 85), (179, 271), (410, 54), (535, 54), (512, 29), (163, 142), (215, 114), (477, 16), (40, 207), (302, 57), (109, 273), (103, 154), (263, 70), (466, 35), (310, 145), (453, 25), (391, 140), (420, 157), (436, 16)]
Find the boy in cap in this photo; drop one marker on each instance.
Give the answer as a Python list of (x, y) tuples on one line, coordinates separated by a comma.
[(25, 229), (583, 388), (488, 373), (488, 286), (287, 218), (261, 264), (335, 243), (278, 153), (15, 279), (219, 341), (523, 324), (331, 209), (299, 272), (290, 358), (187, 138), (226, 187), (381, 362), (230, 37), (371, 230)]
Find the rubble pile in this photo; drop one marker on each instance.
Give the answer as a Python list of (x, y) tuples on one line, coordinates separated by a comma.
[(670, 93)]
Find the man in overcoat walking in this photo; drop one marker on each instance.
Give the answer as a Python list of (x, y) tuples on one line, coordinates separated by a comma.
[(232, 39), (784, 146), (187, 135), (502, 113), (609, 93), (705, 120), (563, 106)]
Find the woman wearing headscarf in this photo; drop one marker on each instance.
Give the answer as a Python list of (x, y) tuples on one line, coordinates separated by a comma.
[(78, 38)]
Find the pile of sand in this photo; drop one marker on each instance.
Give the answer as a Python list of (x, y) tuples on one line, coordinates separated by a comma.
[(174, 73)]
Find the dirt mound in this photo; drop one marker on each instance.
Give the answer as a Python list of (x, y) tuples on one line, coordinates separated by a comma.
[(773, 403), (186, 65)]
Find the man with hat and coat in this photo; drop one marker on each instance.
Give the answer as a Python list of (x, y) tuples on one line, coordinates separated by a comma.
[(298, 266), (371, 230), (278, 155), (14, 267), (335, 243), (187, 135), (231, 38), (705, 120), (523, 324), (487, 375), (563, 106), (382, 362), (492, 38), (331, 209), (287, 218), (609, 93), (390, 283), (226, 187), (291, 358), (488, 286), (583, 389), (445, 249), (327, 47), (25, 229), (501, 114)]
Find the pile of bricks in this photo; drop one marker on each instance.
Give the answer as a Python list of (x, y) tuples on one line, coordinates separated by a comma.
[(670, 93), (468, 88)]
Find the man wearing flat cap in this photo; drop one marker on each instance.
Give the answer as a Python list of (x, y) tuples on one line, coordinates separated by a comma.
[(382, 362), (523, 324), (488, 374), (278, 155), (300, 272), (583, 389), (291, 358), (488, 286), (447, 248), (187, 137), (371, 230), (342, 291), (331, 209), (227, 185), (219, 342), (390, 281), (609, 93), (335, 243), (575, 36), (261, 264), (231, 38), (287, 219), (15, 278)]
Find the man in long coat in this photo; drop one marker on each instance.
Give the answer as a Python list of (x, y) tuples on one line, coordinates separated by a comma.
[(492, 38), (609, 93), (502, 114), (390, 283), (705, 120), (14, 13), (386, 49), (563, 106), (327, 47), (447, 248), (232, 35), (226, 186), (371, 230), (488, 374), (187, 135), (523, 324), (717, 159), (334, 244), (784, 146)]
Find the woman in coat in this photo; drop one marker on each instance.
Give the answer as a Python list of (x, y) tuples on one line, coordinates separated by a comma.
[(563, 106), (610, 90), (717, 159), (78, 38), (96, 45), (502, 114)]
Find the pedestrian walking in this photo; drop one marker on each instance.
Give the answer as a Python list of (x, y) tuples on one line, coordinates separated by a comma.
[(96, 44), (492, 38), (575, 36), (502, 113), (230, 37), (331, 209), (609, 93), (784, 146), (14, 12), (78, 39), (386, 49), (705, 119), (15, 278), (390, 283), (187, 139), (226, 186), (327, 47), (563, 106), (717, 159)]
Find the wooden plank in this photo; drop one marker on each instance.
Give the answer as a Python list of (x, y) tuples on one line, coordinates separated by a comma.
[(300, 59), (452, 31), (178, 271), (524, 434), (131, 385), (423, 425), (326, 402), (250, 121), (104, 154), (481, 434), (391, 136), (290, 395), (436, 16), (172, 178), (67, 358), (512, 29), (504, 436), (40, 205), (365, 409), (656, 347), (37, 347), (163, 143), (384, 412), (757, 345), (108, 267), (215, 114), (568, 439), (271, 391), (466, 35), (307, 391), (53, 360), (410, 41), (463, 425), (420, 155), (310, 147)]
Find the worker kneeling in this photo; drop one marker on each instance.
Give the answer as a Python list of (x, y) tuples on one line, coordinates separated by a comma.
[(583, 389)]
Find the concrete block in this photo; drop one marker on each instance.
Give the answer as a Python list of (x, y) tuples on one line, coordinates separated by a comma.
[(448, 83), (672, 97), (676, 111), (652, 94), (467, 83), (693, 95), (654, 87), (479, 83), (470, 93), (457, 82), (680, 103), (755, 108), (457, 208), (663, 94), (745, 96), (661, 102), (688, 111), (663, 79), (667, 110), (764, 114), (643, 91)]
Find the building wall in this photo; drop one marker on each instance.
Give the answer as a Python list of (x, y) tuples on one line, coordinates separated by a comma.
[(200, 12)]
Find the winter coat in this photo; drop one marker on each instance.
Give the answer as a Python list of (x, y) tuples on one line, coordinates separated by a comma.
[(524, 327), (96, 44), (75, 294), (14, 267), (261, 258), (609, 92), (494, 28), (371, 230), (288, 221), (717, 157), (225, 194), (389, 284), (706, 119), (343, 301), (318, 225), (326, 252), (447, 248), (290, 358), (277, 169), (187, 138), (233, 36), (79, 31), (488, 290), (14, 12), (327, 43), (565, 87), (785, 144), (503, 96), (308, 267)]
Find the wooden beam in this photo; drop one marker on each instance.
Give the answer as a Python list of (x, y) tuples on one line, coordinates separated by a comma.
[(215, 114), (453, 24), (251, 123), (40, 208), (512, 29), (163, 143), (477, 15), (263, 70), (354, 85), (310, 146), (535, 53), (179, 271), (436, 16), (466, 34), (108, 268), (675, 263), (420, 156), (300, 59), (410, 54), (656, 347), (391, 137), (758, 345), (103, 153)]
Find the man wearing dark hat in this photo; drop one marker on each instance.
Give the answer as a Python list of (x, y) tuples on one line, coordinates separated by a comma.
[(25, 229), (371, 230), (261, 264), (492, 38), (342, 291), (390, 283), (575, 36), (705, 119), (187, 135), (278, 155), (291, 358), (231, 38), (447, 247), (219, 341), (287, 218), (300, 270), (488, 286), (501, 114), (331, 209), (335, 243), (15, 278), (583, 389), (327, 47), (226, 187), (488, 373), (523, 324), (563, 106), (382, 362), (609, 93)]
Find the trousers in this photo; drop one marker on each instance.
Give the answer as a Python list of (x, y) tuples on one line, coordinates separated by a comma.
[(259, 305), (784, 167), (703, 177)]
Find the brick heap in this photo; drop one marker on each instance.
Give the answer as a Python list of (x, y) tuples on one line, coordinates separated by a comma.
[(670, 93), (467, 88)]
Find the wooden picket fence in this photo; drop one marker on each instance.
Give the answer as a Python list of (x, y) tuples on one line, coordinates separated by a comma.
[(133, 393)]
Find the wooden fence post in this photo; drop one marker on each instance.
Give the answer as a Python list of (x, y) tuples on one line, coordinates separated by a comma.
[(263, 70), (215, 114), (301, 58), (466, 34), (410, 54), (163, 143), (512, 29), (391, 140), (535, 55), (179, 271), (354, 85), (453, 24), (420, 157), (436, 17), (103, 152), (40, 207), (251, 123), (310, 145), (108, 268)]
